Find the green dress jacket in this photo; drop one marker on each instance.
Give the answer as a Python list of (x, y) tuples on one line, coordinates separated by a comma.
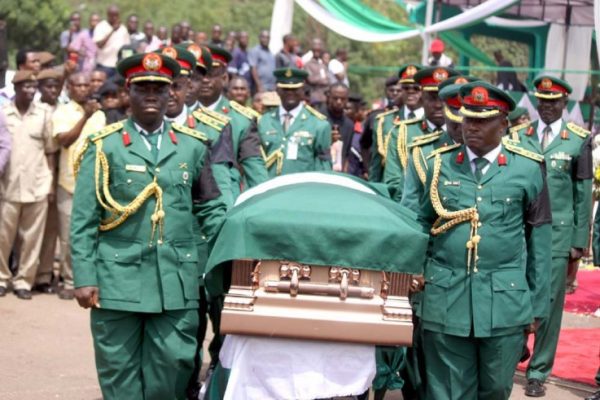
[(246, 143), (569, 175), (304, 147), (508, 285), (139, 265), (398, 153)]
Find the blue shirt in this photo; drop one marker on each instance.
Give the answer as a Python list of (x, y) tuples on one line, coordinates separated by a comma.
[(264, 62)]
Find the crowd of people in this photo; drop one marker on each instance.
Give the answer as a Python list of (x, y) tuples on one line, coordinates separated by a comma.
[(453, 149)]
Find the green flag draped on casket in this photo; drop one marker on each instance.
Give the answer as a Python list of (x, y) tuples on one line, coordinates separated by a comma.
[(319, 219)]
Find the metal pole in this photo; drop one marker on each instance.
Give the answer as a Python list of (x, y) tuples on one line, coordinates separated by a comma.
[(426, 36)]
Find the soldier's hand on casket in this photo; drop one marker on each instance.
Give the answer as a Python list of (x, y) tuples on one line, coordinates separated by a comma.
[(87, 296), (417, 284)]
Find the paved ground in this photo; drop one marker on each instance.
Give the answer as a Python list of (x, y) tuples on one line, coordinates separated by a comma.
[(46, 353)]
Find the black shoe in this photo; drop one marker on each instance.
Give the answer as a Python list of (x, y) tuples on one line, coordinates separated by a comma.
[(23, 294), (535, 388), (43, 288), (595, 396), (66, 294), (3, 291)]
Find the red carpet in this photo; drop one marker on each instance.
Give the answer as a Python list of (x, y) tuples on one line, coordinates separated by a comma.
[(576, 356), (586, 298)]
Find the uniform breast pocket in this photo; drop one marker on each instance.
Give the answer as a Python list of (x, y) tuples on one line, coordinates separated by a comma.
[(450, 196), (270, 139), (181, 189), (126, 185), (560, 166), (507, 204)]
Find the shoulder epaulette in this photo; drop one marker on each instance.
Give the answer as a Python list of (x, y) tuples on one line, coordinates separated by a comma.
[(443, 150), (517, 128), (425, 139), (208, 120), (245, 111), (410, 121), (107, 130), (388, 112), (510, 146), (578, 130), (190, 132), (315, 112), (223, 119)]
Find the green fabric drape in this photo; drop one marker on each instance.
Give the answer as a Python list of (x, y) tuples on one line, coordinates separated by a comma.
[(357, 13)]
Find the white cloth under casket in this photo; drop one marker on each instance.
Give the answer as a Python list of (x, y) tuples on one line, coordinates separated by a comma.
[(269, 368)]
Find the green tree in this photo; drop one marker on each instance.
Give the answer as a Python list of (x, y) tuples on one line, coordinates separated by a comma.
[(34, 24)]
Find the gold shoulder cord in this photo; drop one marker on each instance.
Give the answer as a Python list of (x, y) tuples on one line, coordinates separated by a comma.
[(417, 156), (76, 157), (453, 218), (276, 156), (380, 140), (119, 212), (402, 150)]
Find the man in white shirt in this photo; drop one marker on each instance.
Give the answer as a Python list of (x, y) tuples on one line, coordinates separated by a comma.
[(110, 35)]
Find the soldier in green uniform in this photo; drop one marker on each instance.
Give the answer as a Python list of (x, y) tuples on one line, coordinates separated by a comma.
[(392, 100), (143, 184), (422, 146), (431, 124), (221, 163), (486, 205), (567, 150), (246, 142), (419, 149), (386, 123), (295, 137)]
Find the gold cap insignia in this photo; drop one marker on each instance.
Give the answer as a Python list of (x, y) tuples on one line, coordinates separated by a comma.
[(440, 75), (195, 50), (288, 73), (170, 52), (410, 70), (546, 84), (480, 95), (152, 62), (460, 80)]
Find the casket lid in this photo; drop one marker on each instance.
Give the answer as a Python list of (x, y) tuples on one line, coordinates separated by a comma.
[(321, 219)]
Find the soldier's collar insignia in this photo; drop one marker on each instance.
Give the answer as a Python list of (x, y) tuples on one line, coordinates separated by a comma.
[(564, 134), (501, 160), (460, 157), (225, 110), (152, 62), (183, 165), (530, 131), (126, 139)]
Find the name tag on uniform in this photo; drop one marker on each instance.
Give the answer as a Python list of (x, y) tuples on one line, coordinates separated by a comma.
[(292, 150), (135, 168), (451, 183)]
